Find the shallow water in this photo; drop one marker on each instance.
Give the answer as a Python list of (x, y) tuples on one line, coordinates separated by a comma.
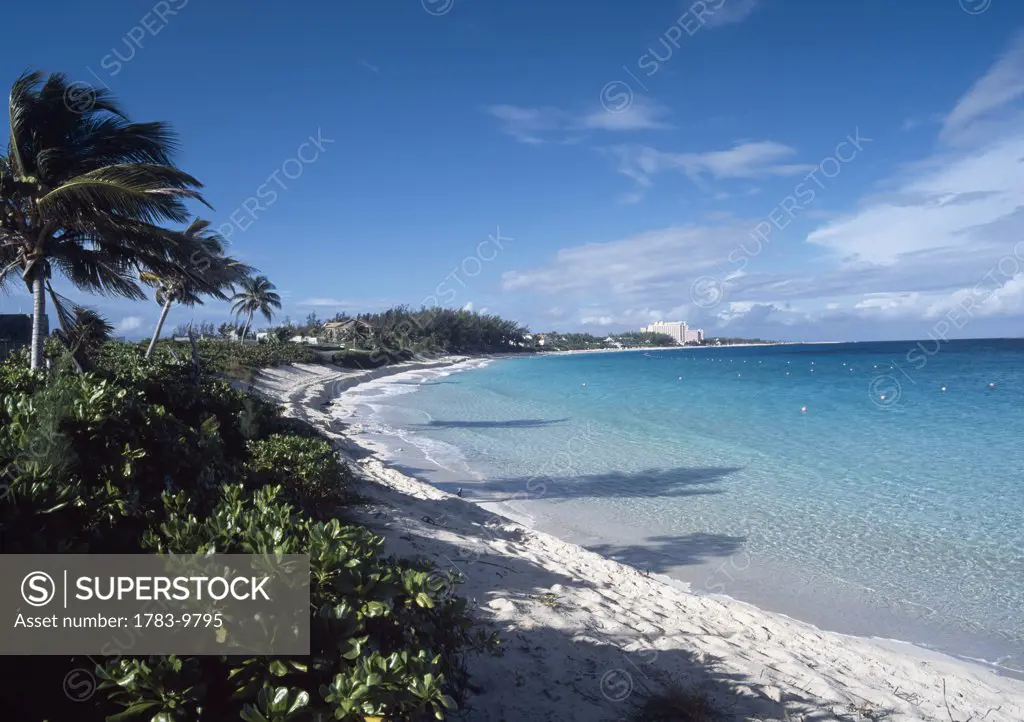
[(890, 508)]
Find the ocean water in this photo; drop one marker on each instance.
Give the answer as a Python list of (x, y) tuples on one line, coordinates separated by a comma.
[(874, 489)]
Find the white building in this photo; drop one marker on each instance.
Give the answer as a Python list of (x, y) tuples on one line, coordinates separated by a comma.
[(678, 330)]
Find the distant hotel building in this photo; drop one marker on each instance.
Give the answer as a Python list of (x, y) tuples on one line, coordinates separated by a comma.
[(678, 330)]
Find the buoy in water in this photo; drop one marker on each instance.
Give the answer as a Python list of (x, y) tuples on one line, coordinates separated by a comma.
[(803, 409), (584, 384), (991, 386), (943, 388)]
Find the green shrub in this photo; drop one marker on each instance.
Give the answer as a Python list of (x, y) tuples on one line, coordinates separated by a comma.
[(222, 356), (361, 359), (139, 457), (385, 636), (308, 466)]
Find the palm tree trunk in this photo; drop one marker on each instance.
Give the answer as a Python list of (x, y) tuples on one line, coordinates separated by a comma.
[(246, 328), (159, 327), (38, 311)]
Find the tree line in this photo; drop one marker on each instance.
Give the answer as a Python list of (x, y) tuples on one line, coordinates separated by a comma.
[(89, 195)]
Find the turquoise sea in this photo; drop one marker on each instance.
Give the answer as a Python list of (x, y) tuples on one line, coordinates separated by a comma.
[(874, 489)]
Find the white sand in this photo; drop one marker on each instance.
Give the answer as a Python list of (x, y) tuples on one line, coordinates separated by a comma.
[(587, 638)]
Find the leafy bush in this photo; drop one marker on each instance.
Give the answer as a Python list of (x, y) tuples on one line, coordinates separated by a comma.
[(360, 359), (236, 359), (140, 457), (384, 634), (309, 467)]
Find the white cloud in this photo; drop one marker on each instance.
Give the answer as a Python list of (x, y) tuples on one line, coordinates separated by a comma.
[(731, 12), (128, 324), (468, 306), (632, 266), (957, 205), (999, 88), (365, 64), (744, 160), (946, 238), (322, 302), (545, 124), (752, 159), (640, 115)]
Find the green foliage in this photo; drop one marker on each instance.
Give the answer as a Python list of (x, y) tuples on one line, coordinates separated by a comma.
[(238, 360), (86, 333), (724, 341), (136, 457), (639, 339), (588, 342), (82, 190), (362, 359), (572, 342), (309, 466), (258, 294), (400, 332)]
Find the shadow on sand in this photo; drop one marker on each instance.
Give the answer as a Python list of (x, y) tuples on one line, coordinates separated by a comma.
[(645, 484), (573, 671), (660, 554)]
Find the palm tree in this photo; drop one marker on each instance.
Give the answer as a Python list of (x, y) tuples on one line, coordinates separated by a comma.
[(82, 190), (257, 294), (86, 333), (209, 273)]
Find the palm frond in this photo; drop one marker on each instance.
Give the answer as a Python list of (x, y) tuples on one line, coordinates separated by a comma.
[(20, 105), (141, 191), (99, 272), (64, 307)]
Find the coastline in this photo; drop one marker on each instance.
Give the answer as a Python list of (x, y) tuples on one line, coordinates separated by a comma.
[(677, 348), (587, 637)]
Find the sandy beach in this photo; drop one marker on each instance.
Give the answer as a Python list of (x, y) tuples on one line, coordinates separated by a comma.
[(588, 639)]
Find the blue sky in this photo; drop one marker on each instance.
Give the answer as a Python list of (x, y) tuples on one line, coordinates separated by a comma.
[(790, 169)]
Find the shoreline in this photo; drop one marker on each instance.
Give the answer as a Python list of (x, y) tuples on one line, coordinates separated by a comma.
[(776, 665)]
